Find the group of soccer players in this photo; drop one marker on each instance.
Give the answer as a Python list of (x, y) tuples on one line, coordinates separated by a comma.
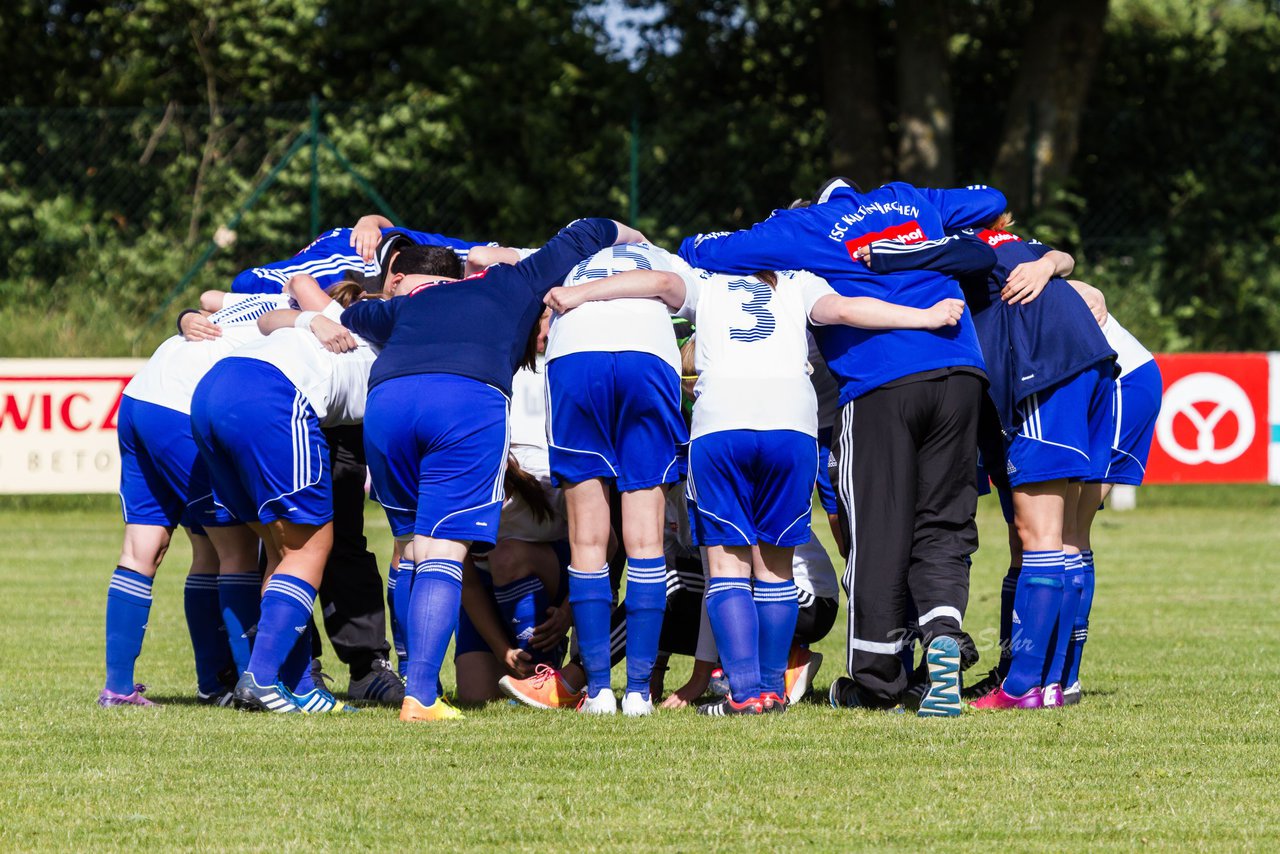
[(536, 435)]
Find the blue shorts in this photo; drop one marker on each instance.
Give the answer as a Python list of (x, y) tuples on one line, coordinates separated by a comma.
[(163, 481), (1065, 431), (261, 439), (436, 445), (616, 416), (1137, 405), (826, 492), (751, 486)]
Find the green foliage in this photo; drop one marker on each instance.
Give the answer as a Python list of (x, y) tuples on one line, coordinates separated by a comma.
[(131, 130)]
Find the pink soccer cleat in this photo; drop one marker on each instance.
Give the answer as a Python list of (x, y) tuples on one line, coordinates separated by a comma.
[(1051, 696), (998, 698), (108, 699)]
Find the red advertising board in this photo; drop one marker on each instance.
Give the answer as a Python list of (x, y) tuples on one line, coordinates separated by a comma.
[(1213, 425)]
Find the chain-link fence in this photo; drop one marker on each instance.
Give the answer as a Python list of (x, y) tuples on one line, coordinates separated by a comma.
[(129, 202)]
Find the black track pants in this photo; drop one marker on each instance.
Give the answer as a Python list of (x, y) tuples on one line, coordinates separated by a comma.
[(906, 457)]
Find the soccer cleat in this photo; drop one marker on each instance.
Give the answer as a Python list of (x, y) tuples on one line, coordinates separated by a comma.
[(220, 699), (1072, 694), (319, 677), (1001, 699), (545, 689), (719, 684), (984, 686), (728, 708), (382, 684), (773, 704), (802, 666), (635, 705), (440, 710), (942, 700), (603, 703), (1051, 696), (107, 699), (842, 694), (318, 701), (252, 697)]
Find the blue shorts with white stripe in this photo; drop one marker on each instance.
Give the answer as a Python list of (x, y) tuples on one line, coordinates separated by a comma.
[(1065, 431), (262, 443)]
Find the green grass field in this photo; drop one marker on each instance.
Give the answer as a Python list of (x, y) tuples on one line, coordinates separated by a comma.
[(1176, 744)]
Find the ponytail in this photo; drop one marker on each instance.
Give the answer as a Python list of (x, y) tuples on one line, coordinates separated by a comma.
[(525, 486)]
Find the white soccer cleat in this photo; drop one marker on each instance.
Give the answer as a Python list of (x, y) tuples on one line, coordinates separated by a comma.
[(603, 703), (634, 705)]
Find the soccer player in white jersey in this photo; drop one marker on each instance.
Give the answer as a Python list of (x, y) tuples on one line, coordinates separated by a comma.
[(268, 462), (1137, 397), (753, 454), (613, 415), (163, 483)]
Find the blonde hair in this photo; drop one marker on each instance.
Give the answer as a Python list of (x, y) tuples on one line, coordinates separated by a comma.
[(1002, 222)]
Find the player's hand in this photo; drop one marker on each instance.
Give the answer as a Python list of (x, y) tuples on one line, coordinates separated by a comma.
[(945, 312), (1094, 299), (687, 693), (334, 337), (627, 234), (365, 237), (518, 663), (196, 327), (564, 299), (549, 633), (1027, 281), (863, 254)]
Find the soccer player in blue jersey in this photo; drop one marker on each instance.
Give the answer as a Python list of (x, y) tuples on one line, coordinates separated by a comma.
[(436, 432), (1049, 368), (754, 456), (1136, 405), (906, 435)]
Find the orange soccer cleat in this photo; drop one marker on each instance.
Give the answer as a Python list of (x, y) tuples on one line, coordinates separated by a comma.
[(545, 689)]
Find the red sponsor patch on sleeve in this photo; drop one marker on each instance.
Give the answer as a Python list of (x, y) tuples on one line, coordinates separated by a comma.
[(907, 232), (995, 238)]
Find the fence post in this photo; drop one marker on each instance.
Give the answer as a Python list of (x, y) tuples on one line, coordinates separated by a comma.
[(315, 164), (634, 213)]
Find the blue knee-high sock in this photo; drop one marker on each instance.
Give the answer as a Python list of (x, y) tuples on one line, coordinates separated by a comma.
[(1072, 586), (240, 595), (646, 604), (400, 611), (295, 670), (523, 604), (1008, 589), (1035, 615), (736, 627), (128, 606), (433, 617), (287, 603), (1080, 628), (777, 607), (208, 634), (591, 598)]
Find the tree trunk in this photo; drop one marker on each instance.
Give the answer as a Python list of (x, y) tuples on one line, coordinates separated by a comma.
[(925, 151), (1041, 127), (855, 127)]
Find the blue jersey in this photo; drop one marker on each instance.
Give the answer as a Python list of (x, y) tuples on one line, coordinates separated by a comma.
[(1029, 347), (476, 327), (330, 256), (823, 239)]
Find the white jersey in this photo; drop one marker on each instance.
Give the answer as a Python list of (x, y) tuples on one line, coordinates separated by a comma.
[(1130, 354), (174, 370), (529, 407), (752, 353), (335, 384), (620, 325)]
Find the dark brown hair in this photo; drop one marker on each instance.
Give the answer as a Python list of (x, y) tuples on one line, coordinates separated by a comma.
[(769, 277), (521, 484)]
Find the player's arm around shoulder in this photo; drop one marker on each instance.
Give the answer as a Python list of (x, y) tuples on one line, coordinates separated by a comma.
[(633, 284)]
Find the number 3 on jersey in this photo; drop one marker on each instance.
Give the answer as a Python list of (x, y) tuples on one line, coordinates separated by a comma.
[(764, 322)]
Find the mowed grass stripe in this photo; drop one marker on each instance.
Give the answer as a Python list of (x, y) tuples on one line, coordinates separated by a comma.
[(1175, 744)]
